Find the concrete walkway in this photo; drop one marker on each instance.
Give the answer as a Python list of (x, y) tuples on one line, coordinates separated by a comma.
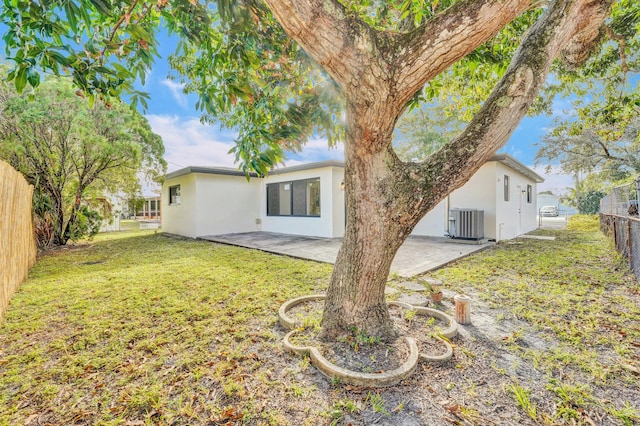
[(416, 256)]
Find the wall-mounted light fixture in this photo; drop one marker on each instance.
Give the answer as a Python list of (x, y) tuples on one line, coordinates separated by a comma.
[(342, 186)]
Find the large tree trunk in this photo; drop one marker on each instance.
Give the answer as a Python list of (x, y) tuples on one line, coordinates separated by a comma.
[(379, 72), (355, 299)]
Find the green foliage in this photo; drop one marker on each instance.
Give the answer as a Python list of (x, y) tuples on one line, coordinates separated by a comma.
[(102, 46), (601, 127), (589, 202), (628, 415), (521, 395), (74, 154), (253, 78), (584, 222), (249, 75), (377, 403), (580, 146), (425, 129), (86, 224)]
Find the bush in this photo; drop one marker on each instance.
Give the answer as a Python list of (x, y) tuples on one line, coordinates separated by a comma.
[(87, 224), (584, 222)]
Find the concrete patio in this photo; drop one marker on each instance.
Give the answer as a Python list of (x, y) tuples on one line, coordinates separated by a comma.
[(416, 256)]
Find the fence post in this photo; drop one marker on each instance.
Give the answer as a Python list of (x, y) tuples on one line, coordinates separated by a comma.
[(629, 242)]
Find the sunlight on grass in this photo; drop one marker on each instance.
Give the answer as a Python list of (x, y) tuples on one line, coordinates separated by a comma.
[(137, 325), (577, 293)]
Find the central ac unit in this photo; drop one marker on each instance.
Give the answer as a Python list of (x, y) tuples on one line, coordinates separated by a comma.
[(467, 224)]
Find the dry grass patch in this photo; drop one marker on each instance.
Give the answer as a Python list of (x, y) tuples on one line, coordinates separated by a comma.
[(573, 310)]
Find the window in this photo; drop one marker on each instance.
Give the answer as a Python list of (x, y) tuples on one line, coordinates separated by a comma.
[(529, 194), (506, 188), (174, 195), (294, 198)]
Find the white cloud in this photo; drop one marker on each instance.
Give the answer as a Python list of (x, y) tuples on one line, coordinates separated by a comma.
[(177, 91), (188, 142), (555, 180), (316, 150)]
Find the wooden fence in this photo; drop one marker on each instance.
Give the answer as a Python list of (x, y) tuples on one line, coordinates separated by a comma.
[(17, 243)]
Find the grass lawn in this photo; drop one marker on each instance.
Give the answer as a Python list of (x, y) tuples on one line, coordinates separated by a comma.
[(139, 328)]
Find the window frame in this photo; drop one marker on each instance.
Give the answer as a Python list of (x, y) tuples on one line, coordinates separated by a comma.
[(292, 202), (174, 191), (529, 194), (507, 188)]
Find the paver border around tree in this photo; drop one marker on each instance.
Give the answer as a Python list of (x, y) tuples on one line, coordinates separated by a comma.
[(351, 377)]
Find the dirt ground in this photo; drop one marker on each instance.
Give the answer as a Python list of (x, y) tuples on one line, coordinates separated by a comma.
[(478, 386)]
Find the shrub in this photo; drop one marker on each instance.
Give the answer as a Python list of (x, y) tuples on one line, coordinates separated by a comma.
[(584, 222)]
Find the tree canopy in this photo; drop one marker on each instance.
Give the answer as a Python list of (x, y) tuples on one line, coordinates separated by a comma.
[(599, 130), (74, 154), (281, 70), (614, 152)]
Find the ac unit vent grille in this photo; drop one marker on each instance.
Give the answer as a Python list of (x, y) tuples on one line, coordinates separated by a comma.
[(466, 224)]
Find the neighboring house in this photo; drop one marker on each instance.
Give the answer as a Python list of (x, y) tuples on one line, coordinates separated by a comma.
[(554, 200), (150, 208), (309, 200)]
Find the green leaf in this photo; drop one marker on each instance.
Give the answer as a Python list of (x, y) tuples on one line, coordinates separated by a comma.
[(21, 79), (70, 10), (103, 6), (61, 59), (139, 32), (33, 77)]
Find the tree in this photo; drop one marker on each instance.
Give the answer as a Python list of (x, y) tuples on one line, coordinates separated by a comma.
[(73, 154), (601, 134), (270, 69), (587, 193), (422, 131), (579, 148)]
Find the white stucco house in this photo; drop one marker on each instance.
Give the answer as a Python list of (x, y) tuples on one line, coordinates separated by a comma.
[(497, 203)]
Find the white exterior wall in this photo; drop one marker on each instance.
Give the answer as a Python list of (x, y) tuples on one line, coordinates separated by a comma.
[(339, 210), (478, 193), (484, 191), (220, 204), (226, 204), (322, 226), (180, 219), (433, 224), (516, 216)]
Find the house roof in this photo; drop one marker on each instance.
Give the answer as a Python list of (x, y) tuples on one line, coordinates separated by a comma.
[(228, 171), (514, 164), (505, 159)]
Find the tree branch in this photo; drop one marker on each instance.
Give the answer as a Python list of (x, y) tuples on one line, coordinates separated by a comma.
[(508, 103), (323, 29), (450, 36)]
